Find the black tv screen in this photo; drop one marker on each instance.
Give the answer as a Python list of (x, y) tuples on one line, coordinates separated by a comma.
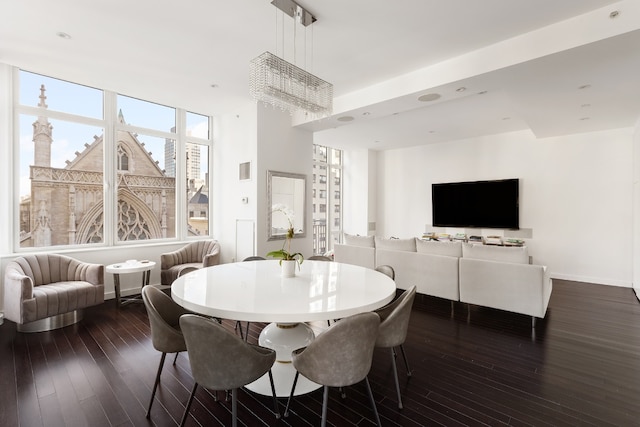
[(481, 204)]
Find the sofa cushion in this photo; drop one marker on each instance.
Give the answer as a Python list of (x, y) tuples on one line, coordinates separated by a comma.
[(407, 245), (519, 255), (363, 241), (439, 248)]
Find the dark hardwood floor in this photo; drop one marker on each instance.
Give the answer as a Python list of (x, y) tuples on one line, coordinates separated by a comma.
[(472, 367)]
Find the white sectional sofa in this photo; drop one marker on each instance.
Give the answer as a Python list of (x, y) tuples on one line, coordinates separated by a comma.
[(502, 278), (491, 276)]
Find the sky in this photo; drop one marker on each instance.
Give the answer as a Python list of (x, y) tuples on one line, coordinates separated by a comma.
[(69, 138)]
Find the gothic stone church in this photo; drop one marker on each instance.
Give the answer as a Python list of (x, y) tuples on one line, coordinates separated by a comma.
[(66, 206)]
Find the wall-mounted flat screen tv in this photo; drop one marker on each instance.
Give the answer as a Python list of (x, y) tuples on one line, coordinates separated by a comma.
[(477, 204)]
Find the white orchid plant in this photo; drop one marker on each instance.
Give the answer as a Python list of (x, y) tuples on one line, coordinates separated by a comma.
[(286, 254)]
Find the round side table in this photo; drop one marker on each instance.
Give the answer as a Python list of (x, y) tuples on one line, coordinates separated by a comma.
[(129, 267)]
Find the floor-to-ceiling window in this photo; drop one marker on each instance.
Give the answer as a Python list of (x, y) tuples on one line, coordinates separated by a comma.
[(96, 167), (327, 198)]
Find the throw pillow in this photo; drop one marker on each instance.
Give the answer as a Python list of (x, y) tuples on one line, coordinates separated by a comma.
[(407, 245), (439, 248), (363, 241)]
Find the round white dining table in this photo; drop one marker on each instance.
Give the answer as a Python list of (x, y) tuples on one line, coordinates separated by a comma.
[(255, 291)]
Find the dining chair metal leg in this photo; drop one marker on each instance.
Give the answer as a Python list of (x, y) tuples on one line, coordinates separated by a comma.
[(186, 410), (325, 404), (406, 361), (275, 398), (373, 402), (239, 326), (176, 358), (394, 366), (234, 407), (246, 332), (155, 385), (293, 389)]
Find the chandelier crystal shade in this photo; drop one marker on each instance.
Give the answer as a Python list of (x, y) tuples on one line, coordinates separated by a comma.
[(279, 83)]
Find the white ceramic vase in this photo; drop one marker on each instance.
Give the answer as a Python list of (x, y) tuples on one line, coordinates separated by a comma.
[(289, 268)]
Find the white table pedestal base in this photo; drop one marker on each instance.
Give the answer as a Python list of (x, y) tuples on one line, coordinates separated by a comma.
[(284, 338)]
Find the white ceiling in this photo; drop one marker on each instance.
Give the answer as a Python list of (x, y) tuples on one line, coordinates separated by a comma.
[(521, 61)]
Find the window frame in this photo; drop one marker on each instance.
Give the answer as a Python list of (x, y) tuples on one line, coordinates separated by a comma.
[(111, 126)]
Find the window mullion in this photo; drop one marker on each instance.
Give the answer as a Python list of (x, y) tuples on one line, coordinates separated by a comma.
[(110, 175), (181, 176)]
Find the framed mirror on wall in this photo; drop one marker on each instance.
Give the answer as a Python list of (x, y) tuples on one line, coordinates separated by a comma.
[(286, 204)]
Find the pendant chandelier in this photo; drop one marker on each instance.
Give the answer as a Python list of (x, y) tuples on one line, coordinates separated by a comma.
[(286, 86)]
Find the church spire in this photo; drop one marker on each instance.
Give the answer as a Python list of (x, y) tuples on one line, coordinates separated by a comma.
[(43, 98), (42, 135)]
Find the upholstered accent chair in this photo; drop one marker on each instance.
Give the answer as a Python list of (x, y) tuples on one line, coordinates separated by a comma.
[(394, 322), (49, 291), (388, 270), (221, 360), (166, 336), (340, 356), (195, 255)]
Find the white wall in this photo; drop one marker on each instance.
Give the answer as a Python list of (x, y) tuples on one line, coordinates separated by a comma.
[(359, 188), (575, 195), (235, 142), (264, 136), (636, 208), (282, 148)]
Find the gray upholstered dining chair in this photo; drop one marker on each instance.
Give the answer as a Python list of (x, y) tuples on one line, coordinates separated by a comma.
[(164, 319), (245, 335), (319, 258), (221, 360), (388, 270), (394, 322), (340, 356)]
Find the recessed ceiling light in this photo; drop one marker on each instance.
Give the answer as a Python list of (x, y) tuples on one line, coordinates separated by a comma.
[(63, 35), (584, 87), (586, 105), (366, 113), (614, 14), (461, 89), (429, 97), (585, 118), (345, 119), (482, 92), (213, 85), (506, 118)]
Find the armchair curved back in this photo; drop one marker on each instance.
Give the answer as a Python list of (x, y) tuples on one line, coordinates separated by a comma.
[(198, 254), (164, 319), (44, 269), (341, 355), (395, 320), (219, 359)]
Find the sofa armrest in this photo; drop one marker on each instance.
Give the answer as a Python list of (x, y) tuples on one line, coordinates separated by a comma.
[(520, 288), (211, 259), (18, 288), (92, 273)]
